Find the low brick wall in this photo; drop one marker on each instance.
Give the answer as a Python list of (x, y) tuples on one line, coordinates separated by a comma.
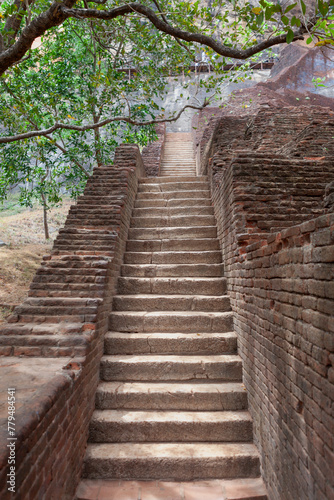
[(277, 238), (282, 294), (152, 154), (59, 329)]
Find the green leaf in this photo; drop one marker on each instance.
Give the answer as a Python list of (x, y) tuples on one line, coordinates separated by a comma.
[(290, 7), (290, 36), (285, 20), (303, 7), (309, 40)]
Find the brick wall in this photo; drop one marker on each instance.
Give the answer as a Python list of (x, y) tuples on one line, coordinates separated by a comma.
[(152, 154), (278, 248), (62, 324), (282, 293)]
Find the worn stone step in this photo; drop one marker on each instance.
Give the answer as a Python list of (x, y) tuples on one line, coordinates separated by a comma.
[(198, 395), (73, 302), (54, 310), (158, 180), (175, 195), (215, 489), (177, 171), (31, 317), (151, 302), (75, 288), (46, 343), (178, 233), (176, 461), (211, 257), (174, 169), (225, 367), (121, 426), (173, 186), (170, 343), (181, 245), (188, 202), (48, 329), (172, 221), (179, 286), (172, 270), (177, 165), (171, 321), (171, 211)]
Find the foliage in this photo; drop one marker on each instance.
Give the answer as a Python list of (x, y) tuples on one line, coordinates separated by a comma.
[(114, 65)]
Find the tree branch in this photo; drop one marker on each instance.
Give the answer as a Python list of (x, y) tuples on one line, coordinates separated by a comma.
[(217, 46), (59, 12), (83, 128), (164, 18), (34, 124)]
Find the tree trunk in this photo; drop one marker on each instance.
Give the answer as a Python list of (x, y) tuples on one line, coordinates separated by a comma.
[(97, 139), (45, 218)]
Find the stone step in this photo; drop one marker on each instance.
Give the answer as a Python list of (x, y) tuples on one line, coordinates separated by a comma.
[(165, 180), (44, 329), (170, 343), (178, 233), (225, 367), (75, 288), (172, 270), (173, 186), (172, 286), (199, 395), (188, 202), (122, 426), (151, 302), (169, 245), (176, 461), (171, 321), (46, 345), (177, 171), (215, 489), (62, 302), (184, 159), (180, 163), (42, 292), (175, 195), (204, 257), (172, 211), (173, 221)]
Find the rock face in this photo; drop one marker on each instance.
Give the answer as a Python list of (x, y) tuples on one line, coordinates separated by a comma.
[(171, 403)]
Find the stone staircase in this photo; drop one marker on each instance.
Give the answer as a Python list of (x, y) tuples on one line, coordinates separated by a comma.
[(171, 404), (178, 158)]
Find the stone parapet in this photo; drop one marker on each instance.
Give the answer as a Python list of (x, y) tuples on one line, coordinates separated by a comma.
[(53, 343), (270, 199)]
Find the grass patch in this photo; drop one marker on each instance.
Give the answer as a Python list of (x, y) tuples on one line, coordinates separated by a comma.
[(23, 232)]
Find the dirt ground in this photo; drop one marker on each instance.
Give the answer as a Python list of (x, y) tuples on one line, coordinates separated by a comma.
[(22, 231)]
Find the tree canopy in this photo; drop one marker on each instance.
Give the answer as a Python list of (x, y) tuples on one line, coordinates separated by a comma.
[(25, 20), (99, 75)]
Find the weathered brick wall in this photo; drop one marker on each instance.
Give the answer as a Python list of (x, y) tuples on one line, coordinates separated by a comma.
[(272, 126), (152, 154), (65, 318), (282, 293), (277, 240)]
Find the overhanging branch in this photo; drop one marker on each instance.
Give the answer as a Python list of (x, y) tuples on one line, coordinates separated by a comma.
[(59, 12), (84, 128)]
